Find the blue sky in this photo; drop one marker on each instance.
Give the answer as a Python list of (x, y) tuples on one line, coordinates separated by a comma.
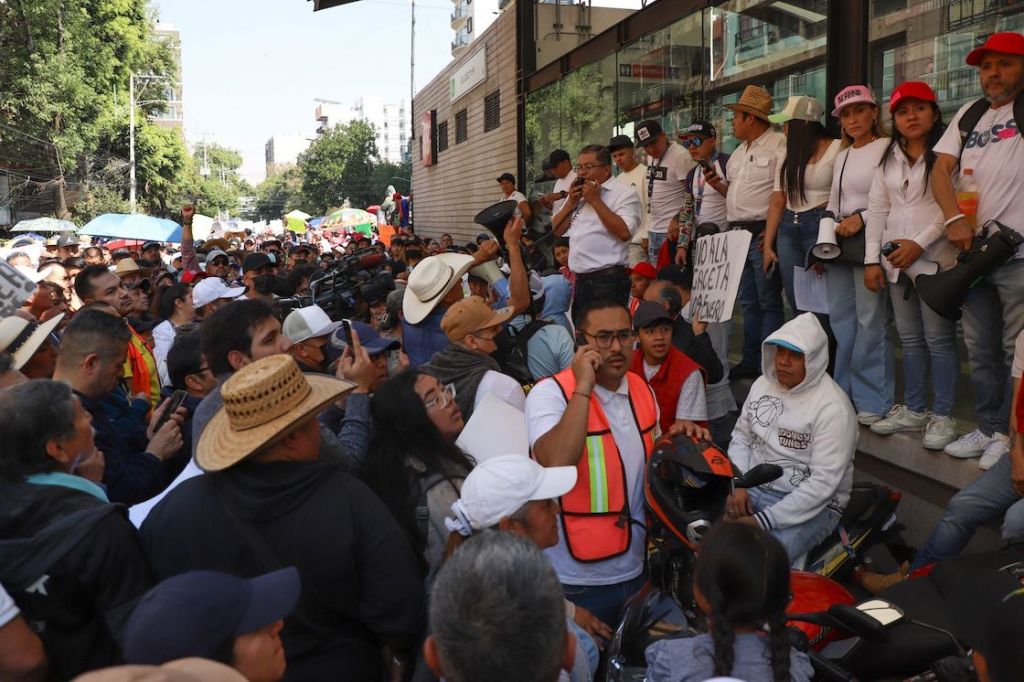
[(251, 68)]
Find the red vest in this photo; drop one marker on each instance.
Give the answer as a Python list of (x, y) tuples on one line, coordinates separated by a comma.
[(595, 513), (668, 381)]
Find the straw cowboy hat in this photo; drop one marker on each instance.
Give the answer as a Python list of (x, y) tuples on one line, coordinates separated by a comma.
[(21, 338), (262, 401), (755, 101), (128, 266), (430, 281)]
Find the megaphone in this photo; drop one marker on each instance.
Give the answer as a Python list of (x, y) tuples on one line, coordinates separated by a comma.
[(945, 292), (827, 247), (495, 217)]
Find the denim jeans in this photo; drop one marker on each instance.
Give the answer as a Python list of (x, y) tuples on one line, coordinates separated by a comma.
[(993, 316), (586, 646), (604, 601), (760, 297), (984, 500), (613, 287), (654, 242), (798, 232), (802, 538), (860, 321), (924, 335)]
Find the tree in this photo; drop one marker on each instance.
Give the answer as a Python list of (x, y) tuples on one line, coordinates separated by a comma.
[(222, 188), (278, 194), (338, 166)]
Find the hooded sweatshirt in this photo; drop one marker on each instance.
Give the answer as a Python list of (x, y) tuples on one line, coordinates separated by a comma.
[(809, 430)]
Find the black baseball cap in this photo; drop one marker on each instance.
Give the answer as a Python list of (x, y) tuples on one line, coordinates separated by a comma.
[(619, 142), (702, 128), (647, 131), (255, 261), (301, 246), (649, 313), (151, 245), (194, 614), (678, 275), (558, 156), (507, 176), (67, 240), (484, 237)]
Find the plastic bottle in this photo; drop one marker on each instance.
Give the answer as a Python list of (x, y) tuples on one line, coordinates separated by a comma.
[(967, 196)]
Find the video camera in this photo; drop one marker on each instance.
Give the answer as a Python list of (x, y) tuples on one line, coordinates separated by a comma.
[(345, 288)]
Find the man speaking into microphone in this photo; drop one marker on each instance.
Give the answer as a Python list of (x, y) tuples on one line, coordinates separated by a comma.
[(600, 217)]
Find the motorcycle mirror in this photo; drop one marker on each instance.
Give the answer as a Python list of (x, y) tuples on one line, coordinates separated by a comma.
[(855, 621), (884, 612), (759, 475)]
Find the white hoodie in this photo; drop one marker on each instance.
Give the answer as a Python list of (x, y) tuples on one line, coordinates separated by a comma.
[(809, 430)]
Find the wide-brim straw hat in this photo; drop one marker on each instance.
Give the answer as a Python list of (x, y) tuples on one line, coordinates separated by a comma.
[(21, 338), (755, 101), (430, 281), (262, 402)]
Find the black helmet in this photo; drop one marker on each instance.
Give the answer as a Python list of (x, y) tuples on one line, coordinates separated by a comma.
[(687, 484)]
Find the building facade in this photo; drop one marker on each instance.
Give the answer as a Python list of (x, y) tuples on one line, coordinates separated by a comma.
[(282, 151), (469, 19), (389, 120), (171, 91)]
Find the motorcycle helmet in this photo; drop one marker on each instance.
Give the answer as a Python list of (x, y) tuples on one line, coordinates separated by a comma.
[(687, 484)]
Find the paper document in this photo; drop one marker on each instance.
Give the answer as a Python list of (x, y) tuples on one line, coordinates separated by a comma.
[(496, 428), (810, 290)]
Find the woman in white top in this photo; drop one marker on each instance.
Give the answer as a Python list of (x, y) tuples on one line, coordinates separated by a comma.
[(858, 316), (802, 186), (176, 308), (904, 239)]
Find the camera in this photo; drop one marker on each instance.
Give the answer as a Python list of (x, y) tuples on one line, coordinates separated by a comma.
[(344, 289)]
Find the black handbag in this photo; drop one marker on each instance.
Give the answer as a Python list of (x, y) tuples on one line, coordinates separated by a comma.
[(851, 249)]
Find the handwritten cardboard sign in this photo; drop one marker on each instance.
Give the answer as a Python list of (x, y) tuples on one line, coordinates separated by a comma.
[(15, 289), (717, 266)]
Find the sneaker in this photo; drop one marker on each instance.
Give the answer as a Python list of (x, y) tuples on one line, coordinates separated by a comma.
[(900, 418), (969, 445), (868, 418), (940, 432), (876, 582), (999, 446)]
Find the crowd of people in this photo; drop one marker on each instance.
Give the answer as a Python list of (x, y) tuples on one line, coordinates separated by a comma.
[(281, 416)]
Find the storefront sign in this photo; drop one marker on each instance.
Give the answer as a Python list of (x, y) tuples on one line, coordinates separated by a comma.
[(469, 75), (649, 71), (717, 266)]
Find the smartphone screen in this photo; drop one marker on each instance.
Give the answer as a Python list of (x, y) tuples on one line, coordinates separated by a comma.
[(346, 327)]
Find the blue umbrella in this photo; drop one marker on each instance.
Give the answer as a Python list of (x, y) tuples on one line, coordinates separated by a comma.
[(45, 225), (133, 226), (315, 222)]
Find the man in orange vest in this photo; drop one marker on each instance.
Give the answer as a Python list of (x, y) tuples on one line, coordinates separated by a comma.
[(602, 419)]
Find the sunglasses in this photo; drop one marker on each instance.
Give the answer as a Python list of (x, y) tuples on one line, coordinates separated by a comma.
[(692, 142)]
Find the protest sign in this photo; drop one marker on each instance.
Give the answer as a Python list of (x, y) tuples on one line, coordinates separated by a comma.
[(496, 428), (717, 262), (15, 289)]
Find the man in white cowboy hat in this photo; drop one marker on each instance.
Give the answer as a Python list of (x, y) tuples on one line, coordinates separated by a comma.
[(30, 346), (751, 170), (273, 503)]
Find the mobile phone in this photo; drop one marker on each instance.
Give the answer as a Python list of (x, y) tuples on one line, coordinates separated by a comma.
[(889, 248), (705, 165), (176, 399), (346, 330), (578, 182), (581, 339)]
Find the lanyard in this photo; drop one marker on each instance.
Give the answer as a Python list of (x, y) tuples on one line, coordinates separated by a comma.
[(651, 172), (699, 195)]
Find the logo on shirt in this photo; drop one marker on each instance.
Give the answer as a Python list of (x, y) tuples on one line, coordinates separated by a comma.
[(766, 410), (794, 440), (657, 173), (995, 134)]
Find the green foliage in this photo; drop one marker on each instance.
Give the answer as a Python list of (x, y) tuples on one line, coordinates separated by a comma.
[(338, 166), (278, 194), (95, 200)]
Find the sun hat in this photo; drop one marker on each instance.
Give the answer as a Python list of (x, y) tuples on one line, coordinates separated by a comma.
[(195, 613), (128, 266), (21, 338), (911, 89), (1008, 42), (261, 402), (430, 281), (31, 274), (308, 323), (219, 243), (210, 289), (500, 486), (182, 670), (754, 100), (470, 315), (800, 108), (853, 94)]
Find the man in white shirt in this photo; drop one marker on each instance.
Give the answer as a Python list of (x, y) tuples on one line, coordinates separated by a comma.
[(751, 169), (634, 174), (994, 149), (706, 181), (510, 193), (668, 164), (562, 170), (600, 215)]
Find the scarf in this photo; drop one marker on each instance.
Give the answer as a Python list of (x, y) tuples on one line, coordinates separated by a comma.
[(463, 367)]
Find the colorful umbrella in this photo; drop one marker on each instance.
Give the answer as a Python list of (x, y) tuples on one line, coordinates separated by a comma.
[(133, 226), (350, 220), (45, 225)]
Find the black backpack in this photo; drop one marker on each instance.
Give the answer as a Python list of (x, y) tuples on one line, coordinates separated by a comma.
[(511, 354), (969, 121)]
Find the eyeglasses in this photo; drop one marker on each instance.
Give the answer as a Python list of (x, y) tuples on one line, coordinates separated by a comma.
[(587, 167), (604, 339), (446, 395)]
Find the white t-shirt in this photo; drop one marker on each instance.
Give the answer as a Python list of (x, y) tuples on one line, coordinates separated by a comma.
[(544, 409), (637, 179), (8, 609), (995, 150), (1017, 371), (691, 404), (517, 197), (712, 204), (855, 169), (163, 338), (562, 185), (666, 198), (817, 181)]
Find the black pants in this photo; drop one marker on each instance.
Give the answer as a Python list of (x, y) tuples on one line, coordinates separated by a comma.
[(613, 286)]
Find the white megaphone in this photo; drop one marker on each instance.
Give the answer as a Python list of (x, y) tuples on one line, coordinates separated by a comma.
[(827, 248)]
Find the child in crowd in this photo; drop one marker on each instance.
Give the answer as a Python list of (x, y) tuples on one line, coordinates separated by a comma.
[(742, 584)]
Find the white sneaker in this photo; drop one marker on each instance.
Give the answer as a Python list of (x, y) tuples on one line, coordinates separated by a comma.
[(868, 418), (940, 432), (999, 446), (900, 418), (969, 445)]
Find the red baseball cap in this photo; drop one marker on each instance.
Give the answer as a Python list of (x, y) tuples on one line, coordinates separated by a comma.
[(193, 276), (911, 90), (644, 269), (1007, 43)]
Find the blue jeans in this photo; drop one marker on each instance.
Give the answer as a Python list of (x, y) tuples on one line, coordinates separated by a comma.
[(993, 316), (860, 319), (588, 647), (984, 500), (924, 335), (798, 232), (654, 242), (801, 538), (760, 297), (604, 601)]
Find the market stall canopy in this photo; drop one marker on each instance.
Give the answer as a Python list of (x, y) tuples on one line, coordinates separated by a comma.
[(133, 226), (45, 225), (350, 220)]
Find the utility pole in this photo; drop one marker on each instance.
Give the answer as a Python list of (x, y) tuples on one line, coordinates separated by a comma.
[(131, 142), (412, 57)]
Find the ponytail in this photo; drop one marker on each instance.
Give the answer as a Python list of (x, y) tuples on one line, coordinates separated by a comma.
[(779, 647), (723, 637)]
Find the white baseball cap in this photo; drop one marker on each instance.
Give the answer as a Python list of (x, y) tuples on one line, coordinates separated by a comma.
[(499, 486), (308, 323), (209, 289)]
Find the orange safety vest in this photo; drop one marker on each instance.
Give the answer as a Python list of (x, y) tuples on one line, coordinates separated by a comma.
[(596, 520), (140, 369)]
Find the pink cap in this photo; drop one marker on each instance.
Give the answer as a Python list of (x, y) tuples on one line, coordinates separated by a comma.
[(853, 94)]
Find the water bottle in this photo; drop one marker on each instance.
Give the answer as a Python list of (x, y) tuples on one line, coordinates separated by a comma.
[(967, 197)]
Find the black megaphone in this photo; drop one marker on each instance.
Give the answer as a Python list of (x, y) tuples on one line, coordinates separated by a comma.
[(495, 217)]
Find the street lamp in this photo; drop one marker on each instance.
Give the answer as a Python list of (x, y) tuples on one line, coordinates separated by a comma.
[(131, 132)]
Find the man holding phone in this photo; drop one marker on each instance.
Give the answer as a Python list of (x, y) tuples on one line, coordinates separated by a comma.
[(706, 181)]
